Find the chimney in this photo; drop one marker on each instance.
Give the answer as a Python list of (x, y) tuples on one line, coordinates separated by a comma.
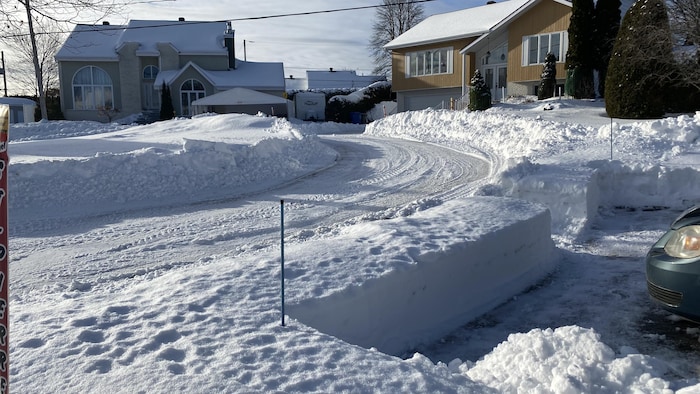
[(229, 44), (181, 19)]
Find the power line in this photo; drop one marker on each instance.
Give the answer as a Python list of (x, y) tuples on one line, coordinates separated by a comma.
[(104, 28), (328, 11)]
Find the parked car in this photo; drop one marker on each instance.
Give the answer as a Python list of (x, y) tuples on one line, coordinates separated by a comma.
[(673, 267)]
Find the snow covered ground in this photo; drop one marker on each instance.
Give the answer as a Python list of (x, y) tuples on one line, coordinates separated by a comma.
[(147, 258)]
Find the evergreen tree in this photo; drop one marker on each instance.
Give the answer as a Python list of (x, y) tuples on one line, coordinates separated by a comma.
[(479, 94), (549, 77), (642, 65), (581, 53), (607, 24), (167, 111)]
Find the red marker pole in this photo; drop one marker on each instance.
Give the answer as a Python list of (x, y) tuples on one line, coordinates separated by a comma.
[(4, 261)]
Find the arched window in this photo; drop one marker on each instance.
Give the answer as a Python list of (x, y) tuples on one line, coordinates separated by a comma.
[(150, 72), (92, 89), (190, 90)]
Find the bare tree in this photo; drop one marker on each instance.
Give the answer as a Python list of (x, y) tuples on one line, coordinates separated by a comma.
[(394, 18), (48, 40), (23, 21), (685, 20), (685, 24)]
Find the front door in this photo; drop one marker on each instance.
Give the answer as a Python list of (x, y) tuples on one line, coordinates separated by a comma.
[(496, 78)]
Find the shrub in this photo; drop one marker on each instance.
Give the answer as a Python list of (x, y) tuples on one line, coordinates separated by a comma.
[(549, 77), (479, 94), (167, 111), (339, 107), (642, 63)]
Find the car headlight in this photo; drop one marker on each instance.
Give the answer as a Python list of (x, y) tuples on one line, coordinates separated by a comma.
[(684, 243)]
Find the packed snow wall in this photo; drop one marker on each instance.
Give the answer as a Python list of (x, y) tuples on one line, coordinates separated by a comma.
[(460, 260)]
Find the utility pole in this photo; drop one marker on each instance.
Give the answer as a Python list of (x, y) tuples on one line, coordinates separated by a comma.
[(2, 70), (245, 52), (35, 56)]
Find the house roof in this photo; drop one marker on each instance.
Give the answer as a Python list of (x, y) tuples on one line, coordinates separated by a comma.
[(251, 75), (240, 96), (321, 79), (16, 101), (469, 22), (101, 42), (88, 42)]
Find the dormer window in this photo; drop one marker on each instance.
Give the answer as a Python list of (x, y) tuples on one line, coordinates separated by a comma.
[(150, 72)]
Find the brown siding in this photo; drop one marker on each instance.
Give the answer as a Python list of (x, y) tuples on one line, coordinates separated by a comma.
[(545, 17), (401, 83)]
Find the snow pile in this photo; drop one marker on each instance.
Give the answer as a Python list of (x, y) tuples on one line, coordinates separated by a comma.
[(60, 129), (566, 166), (129, 166), (565, 360), (361, 94), (402, 302)]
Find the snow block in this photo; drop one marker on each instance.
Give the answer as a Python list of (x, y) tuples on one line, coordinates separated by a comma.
[(459, 260), (571, 194)]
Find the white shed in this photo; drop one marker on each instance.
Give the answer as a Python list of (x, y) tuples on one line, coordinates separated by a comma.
[(242, 100), (21, 109)]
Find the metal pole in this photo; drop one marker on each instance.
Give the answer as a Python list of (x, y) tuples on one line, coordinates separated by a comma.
[(4, 71), (611, 139), (282, 256)]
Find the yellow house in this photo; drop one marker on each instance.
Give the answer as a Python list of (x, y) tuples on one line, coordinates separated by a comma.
[(433, 62)]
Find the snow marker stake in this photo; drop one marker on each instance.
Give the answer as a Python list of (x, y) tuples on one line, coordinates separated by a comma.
[(282, 255), (611, 139)]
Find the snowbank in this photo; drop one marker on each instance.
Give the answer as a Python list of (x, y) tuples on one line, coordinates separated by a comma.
[(152, 165), (567, 166), (481, 252)]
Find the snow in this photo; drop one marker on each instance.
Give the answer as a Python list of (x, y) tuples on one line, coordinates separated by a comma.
[(142, 257), (103, 41), (450, 25)]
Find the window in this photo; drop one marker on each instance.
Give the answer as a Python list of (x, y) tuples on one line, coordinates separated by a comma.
[(150, 98), (150, 72), (190, 91), (535, 48), (92, 89), (432, 62)]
